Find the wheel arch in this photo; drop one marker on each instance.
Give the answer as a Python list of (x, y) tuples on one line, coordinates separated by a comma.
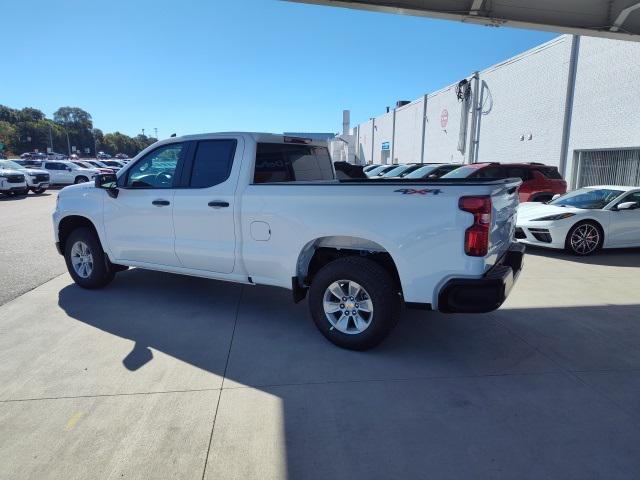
[(320, 251), (70, 223)]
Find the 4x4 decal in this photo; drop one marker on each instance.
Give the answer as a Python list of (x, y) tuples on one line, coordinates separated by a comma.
[(418, 191)]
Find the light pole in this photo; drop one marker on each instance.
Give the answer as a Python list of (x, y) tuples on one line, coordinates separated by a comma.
[(156, 130), (68, 142)]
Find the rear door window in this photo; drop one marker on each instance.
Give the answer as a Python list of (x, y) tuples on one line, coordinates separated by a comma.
[(550, 173), (491, 172), (212, 162), (281, 162), (521, 173)]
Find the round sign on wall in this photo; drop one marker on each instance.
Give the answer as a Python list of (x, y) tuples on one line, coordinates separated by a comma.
[(444, 118)]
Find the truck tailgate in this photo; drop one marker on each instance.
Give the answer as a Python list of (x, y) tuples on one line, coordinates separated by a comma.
[(504, 199)]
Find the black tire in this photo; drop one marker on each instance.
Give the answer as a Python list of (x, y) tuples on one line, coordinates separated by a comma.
[(382, 292), (102, 273), (81, 179), (575, 250), (39, 191)]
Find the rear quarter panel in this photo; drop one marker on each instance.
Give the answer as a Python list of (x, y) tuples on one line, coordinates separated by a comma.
[(424, 233)]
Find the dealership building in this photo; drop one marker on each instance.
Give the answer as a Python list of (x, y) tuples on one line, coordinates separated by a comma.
[(573, 102)]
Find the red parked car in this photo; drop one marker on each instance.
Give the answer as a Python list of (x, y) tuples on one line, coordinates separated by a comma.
[(539, 182)]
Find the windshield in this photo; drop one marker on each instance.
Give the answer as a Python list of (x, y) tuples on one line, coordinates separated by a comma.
[(462, 172), (10, 165), (588, 198), (422, 171), (394, 172), (374, 170)]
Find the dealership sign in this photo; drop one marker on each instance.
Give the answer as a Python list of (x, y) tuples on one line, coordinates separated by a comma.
[(444, 118)]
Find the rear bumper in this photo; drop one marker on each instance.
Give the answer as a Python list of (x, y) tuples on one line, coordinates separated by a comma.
[(480, 295)]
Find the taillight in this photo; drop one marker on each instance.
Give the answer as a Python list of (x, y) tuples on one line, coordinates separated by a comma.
[(476, 237)]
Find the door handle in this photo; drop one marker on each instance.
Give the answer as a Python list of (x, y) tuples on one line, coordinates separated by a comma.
[(161, 203), (218, 204)]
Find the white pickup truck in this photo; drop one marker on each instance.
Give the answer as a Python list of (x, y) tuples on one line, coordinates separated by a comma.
[(266, 209)]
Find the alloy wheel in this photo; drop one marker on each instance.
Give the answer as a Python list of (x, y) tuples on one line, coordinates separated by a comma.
[(348, 307), (81, 259), (585, 239)]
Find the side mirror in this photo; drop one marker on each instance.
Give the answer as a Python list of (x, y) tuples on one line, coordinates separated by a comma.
[(627, 206), (108, 181), (557, 195)]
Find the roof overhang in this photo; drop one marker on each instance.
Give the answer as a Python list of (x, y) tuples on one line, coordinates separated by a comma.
[(618, 19)]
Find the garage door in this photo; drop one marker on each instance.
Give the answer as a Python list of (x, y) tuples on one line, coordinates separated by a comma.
[(608, 167)]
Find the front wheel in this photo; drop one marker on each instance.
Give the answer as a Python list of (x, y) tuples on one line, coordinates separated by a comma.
[(81, 180), (39, 191), (87, 263), (584, 238), (354, 302)]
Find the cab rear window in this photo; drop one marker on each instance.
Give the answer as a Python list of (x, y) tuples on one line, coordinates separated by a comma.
[(279, 162)]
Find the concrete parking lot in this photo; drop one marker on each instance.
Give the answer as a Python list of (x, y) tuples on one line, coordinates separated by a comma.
[(161, 376)]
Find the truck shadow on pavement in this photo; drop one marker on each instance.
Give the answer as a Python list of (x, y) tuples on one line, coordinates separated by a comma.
[(499, 385)]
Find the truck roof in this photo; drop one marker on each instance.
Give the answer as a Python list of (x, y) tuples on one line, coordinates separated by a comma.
[(256, 136)]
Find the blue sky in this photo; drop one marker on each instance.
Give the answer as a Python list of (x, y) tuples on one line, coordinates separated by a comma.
[(196, 66)]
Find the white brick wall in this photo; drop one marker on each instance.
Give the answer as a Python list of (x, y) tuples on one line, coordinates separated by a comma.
[(606, 107), (441, 143), (383, 133), (525, 97), (409, 132)]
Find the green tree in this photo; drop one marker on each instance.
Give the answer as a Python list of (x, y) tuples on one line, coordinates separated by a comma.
[(9, 137)]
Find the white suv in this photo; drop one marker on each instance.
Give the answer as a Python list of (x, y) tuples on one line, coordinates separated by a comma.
[(12, 182), (37, 180), (66, 173)]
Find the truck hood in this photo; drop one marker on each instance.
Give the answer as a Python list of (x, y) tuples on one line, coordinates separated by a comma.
[(36, 171), (531, 210), (6, 171)]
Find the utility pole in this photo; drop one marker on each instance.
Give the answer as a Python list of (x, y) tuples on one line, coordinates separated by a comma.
[(50, 138), (156, 130), (68, 142), (143, 132)]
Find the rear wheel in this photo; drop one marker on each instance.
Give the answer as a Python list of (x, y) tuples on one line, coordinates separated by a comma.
[(584, 238), (86, 261), (354, 302), (81, 180)]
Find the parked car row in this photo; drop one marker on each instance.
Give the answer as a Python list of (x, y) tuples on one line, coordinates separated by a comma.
[(21, 176), (581, 222), (539, 182), (16, 179)]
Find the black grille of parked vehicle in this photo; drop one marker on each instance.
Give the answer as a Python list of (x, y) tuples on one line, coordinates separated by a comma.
[(42, 177), (520, 233), (541, 234), (15, 178)]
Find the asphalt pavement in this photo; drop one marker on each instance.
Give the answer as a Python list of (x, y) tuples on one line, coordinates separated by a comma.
[(28, 257), (163, 376)]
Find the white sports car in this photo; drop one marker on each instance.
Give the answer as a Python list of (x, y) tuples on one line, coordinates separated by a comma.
[(584, 220)]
